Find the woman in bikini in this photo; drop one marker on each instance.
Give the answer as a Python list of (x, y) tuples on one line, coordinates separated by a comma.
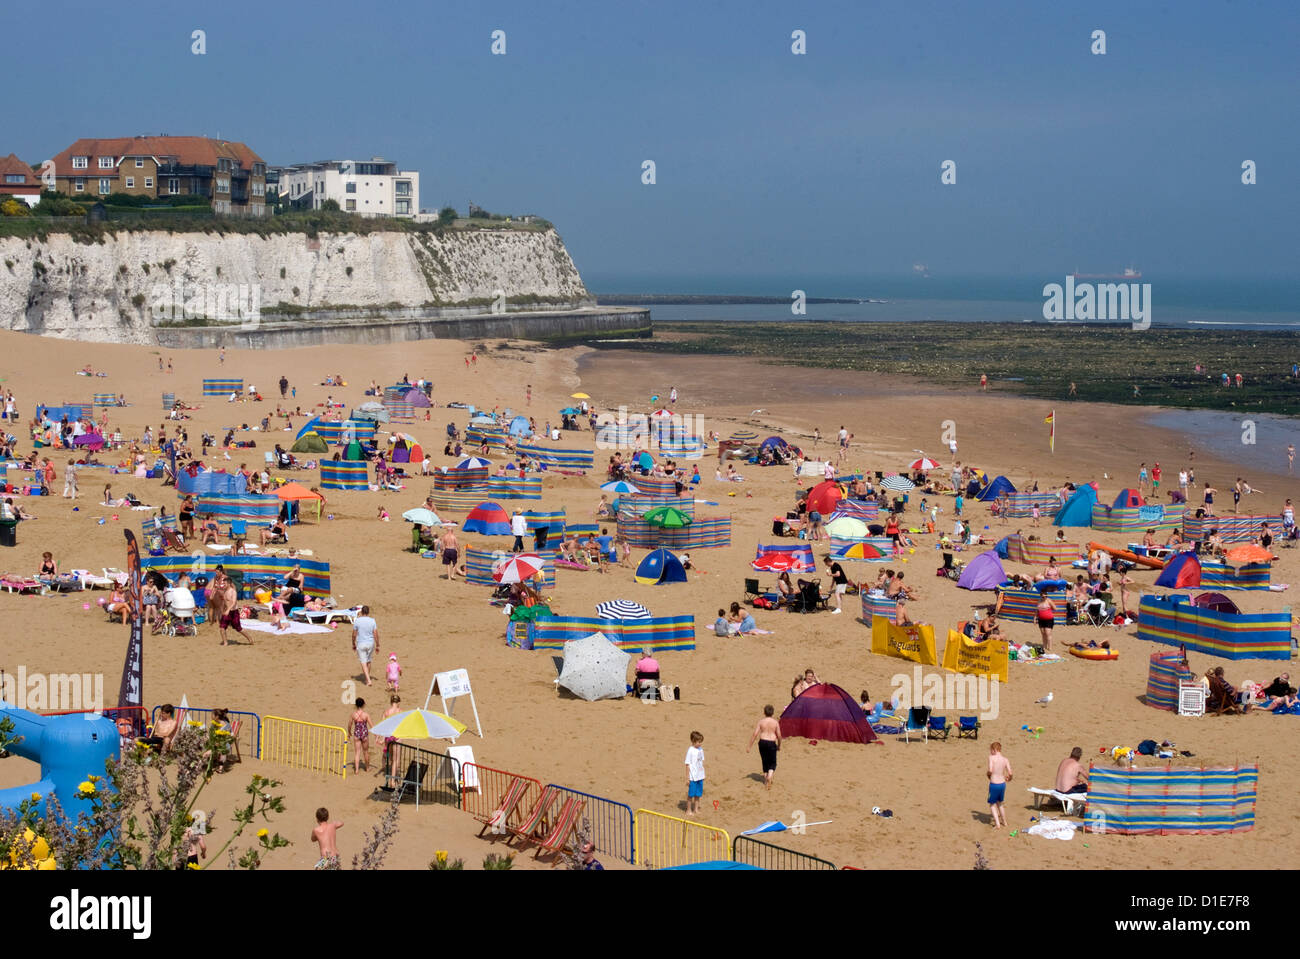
[(49, 570), (1046, 615), (359, 730)]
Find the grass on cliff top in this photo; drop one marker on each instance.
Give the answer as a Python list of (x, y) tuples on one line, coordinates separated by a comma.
[(1105, 363)]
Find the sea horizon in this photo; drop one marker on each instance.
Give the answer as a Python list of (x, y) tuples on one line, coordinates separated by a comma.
[(1176, 302)]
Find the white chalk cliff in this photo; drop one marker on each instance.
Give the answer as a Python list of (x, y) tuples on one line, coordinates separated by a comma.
[(108, 290)]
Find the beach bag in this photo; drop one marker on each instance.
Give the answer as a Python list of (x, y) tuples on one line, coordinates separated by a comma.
[(762, 602), (1147, 747)]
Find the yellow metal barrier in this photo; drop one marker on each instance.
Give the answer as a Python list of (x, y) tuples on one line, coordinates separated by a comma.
[(312, 746), (663, 841)]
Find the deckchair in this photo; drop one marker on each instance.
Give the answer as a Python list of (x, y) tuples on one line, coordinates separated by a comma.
[(415, 774), (534, 824), (938, 728), (1221, 701), (968, 727), (562, 827), (173, 541), (918, 720), (499, 820)]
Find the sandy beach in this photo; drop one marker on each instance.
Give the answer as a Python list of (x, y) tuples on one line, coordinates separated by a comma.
[(627, 750)]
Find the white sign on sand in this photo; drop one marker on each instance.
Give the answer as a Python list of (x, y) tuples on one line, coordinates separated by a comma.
[(451, 685)]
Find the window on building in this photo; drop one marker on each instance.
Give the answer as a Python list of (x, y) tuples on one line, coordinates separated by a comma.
[(106, 163), (349, 188), (352, 206), (139, 163), (105, 186), (130, 183), (403, 207), (173, 186), (80, 163), (402, 187), (79, 185), (15, 178), (148, 183)]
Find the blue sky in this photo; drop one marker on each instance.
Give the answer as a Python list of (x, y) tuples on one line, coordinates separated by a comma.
[(769, 165)]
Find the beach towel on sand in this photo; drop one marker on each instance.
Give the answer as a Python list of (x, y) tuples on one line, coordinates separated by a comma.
[(1053, 829)]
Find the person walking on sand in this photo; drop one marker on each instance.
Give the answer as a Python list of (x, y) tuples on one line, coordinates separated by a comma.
[(694, 774), (450, 554), (1290, 457), (70, 480), (768, 736), (325, 835), (999, 774), (984, 382), (365, 639), (359, 732), (1074, 390)]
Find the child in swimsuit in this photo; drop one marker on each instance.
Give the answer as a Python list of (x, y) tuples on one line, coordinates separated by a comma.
[(393, 672)]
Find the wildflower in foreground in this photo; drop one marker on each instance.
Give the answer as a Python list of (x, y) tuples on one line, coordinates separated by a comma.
[(263, 833), (87, 788)]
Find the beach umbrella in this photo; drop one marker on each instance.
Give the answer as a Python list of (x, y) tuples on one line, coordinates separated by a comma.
[(1250, 553), (898, 484), (619, 486), (422, 516), (418, 724), (92, 441), (519, 568), (924, 463), (661, 414), (668, 517), (482, 419), (860, 551), (579, 396), (473, 462), (594, 668), (847, 527), (621, 609)]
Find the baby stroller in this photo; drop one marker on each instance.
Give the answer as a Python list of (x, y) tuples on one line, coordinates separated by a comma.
[(809, 597)]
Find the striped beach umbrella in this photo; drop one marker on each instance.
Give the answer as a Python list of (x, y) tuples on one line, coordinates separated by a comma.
[(473, 462), (898, 484), (519, 568), (620, 486), (418, 724), (621, 609), (924, 463)]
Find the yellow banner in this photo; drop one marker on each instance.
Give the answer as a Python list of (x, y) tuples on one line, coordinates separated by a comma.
[(915, 643), (962, 654)]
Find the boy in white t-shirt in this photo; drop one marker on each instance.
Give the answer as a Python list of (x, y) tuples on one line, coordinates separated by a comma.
[(694, 774)]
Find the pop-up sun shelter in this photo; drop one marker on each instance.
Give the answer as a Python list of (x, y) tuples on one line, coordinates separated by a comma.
[(1077, 510), (995, 489), (1128, 499), (827, 712), (1181, 572), (309, 443), (488, 519), (658, 567), (983, 572)]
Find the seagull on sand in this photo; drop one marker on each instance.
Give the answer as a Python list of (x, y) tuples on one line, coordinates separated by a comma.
[(1046, 699)]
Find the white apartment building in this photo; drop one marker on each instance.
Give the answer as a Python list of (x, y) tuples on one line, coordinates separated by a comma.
[(373, 187)]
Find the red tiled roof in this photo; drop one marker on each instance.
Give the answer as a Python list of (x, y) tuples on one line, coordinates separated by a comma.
[(189, 151), (12, 165)]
